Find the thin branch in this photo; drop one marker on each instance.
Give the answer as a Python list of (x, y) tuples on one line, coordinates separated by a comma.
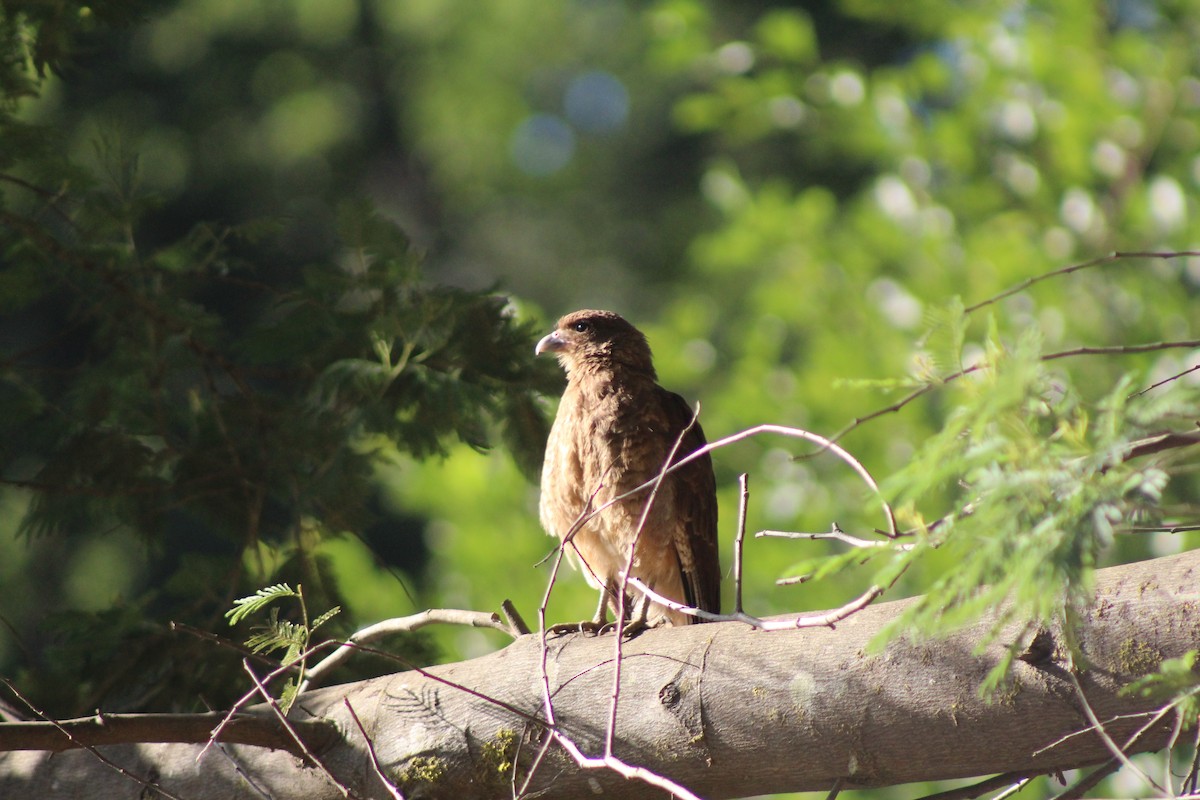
[(1159, 529), (1089, 781), (1168, 775), (516, 623), (1010, 791), (253, 781), (1090, 728), (543, 659), (608, 760), (1095, 262), (953, 376), (779, 430), (375, 765), (50, 197), (585, 516), (836, 533), (1191, 781), (739, 537), (109, 729), (984, 786), (621, 768), (1098, 727), (244, 700), (391, 627), (1165, 381), (826, 620), (1163, 441), (627, 574), (1122, 349), (225, 642), (307, 754), (147, 784), (903, 401)]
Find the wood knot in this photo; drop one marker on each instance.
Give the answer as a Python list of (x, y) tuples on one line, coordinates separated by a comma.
[(669, 695), (1040, 650)]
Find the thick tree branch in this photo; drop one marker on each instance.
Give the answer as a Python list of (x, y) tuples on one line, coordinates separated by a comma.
[(721, 709), (108, 729)]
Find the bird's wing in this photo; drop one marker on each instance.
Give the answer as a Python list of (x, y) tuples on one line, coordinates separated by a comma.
[(696, 509)]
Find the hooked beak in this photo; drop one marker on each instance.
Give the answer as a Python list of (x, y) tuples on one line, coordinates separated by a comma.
[(550, 343)]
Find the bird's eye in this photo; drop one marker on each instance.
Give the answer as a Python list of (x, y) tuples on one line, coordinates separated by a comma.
[(582, 327)]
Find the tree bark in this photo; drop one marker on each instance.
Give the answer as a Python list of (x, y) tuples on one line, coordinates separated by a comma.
[(719, 708)]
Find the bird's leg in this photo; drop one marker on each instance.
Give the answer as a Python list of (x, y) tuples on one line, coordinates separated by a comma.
[(637, 620), (601, 618)]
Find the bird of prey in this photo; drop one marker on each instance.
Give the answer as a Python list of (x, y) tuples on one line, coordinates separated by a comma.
[(615, 430)]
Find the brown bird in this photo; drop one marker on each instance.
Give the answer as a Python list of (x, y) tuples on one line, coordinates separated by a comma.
[(614, 431)]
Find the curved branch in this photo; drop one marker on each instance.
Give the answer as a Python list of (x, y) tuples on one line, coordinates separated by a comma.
[(390, 627)]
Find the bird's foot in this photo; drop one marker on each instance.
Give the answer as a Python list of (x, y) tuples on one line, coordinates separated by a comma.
[(635, 627), (590, 626), (599, 627)]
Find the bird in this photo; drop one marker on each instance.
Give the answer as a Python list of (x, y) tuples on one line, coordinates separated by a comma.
[(615, 430)]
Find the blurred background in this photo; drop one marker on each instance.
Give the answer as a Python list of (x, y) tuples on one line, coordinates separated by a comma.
[(784, 196)]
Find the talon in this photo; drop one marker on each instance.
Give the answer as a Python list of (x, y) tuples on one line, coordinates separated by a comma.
[(584, 626), (635, 627)]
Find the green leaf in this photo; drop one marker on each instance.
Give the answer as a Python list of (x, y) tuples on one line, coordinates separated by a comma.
[(1177, 681), (322, 619), (245, 606)]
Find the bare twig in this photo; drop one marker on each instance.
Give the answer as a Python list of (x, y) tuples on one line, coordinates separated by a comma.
[(150, 786), (739, 537), (1122, 349), (225, 642), (1160, 442), (1089, 781), (1165, 381), (626, 575), (827, 620), (1160, 528), (390, 627), (953, 376), (621, 768), (1116, 751), (375, 765), (1008, 779), (607, 760), (543, 659), (1010, 791), (836, 533), (1191, 781), (1168, 776), (1083, 731), (109, 729), (308, 755), (516, 623), (1095, 262), (218, 732), (779, 430)]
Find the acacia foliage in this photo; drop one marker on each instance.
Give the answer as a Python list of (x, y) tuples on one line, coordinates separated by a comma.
[(207, 411)]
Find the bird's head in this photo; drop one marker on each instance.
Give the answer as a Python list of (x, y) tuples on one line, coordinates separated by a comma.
[(594, 341)]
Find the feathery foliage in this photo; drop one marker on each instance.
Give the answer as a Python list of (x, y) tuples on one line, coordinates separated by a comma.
[(1033, 480), (215, 408), (276, 634)]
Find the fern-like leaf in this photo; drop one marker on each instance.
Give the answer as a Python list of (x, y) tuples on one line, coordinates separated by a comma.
[(245, 606)]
